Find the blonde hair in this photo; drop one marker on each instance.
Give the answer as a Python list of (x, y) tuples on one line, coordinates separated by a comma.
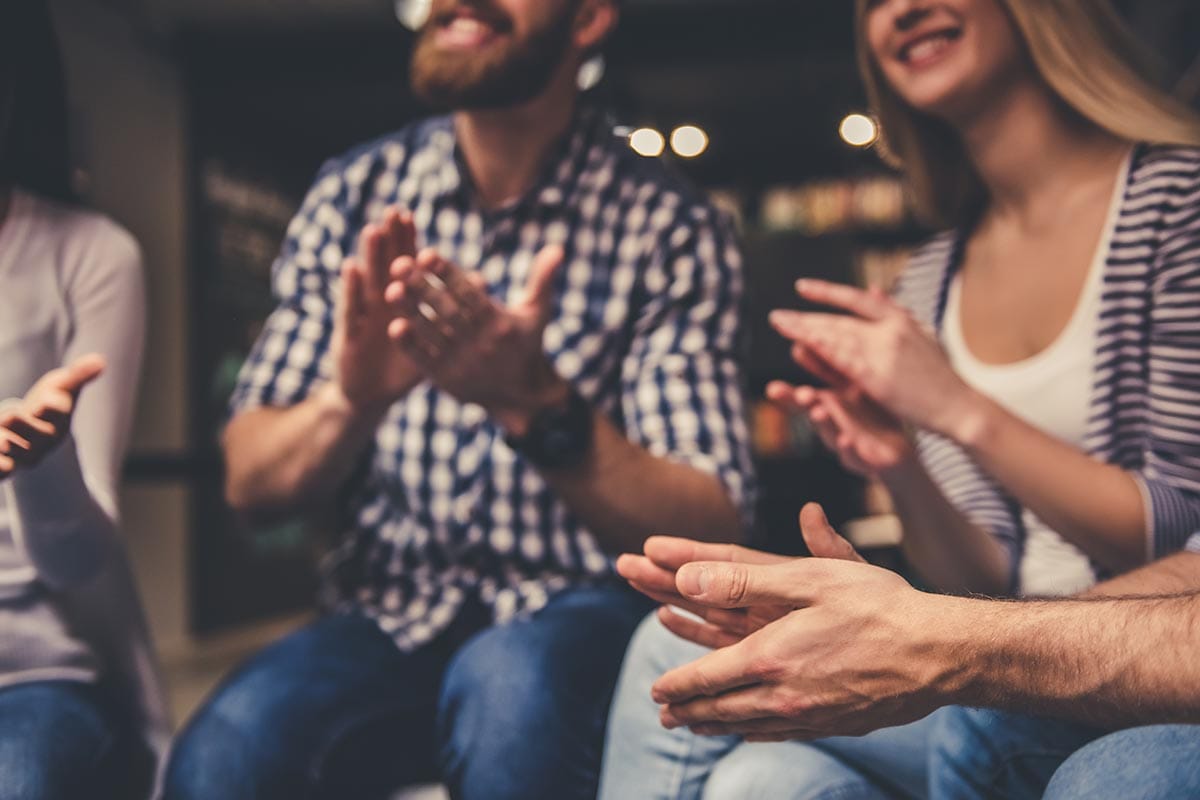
[(1082, 51)]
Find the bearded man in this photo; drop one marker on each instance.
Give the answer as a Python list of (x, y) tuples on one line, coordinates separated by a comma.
[(509, 346)]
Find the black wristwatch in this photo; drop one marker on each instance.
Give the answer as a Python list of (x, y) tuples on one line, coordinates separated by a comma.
[(558, 438)]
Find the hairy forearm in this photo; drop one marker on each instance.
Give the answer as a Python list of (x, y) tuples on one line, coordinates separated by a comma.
[(1095, 506), (624, 495), (948, 550), (1113, 662), (282, 461)]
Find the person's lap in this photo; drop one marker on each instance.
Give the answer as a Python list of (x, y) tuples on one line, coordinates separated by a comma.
[(643, 759), (980, 754), (336, 710), (59, 740), (1160, 762)]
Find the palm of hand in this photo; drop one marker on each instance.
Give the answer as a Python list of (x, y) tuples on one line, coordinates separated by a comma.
[(368, 368), (368, 365), (506, 354)]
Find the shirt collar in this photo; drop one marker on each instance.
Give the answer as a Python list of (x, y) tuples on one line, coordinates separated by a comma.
[(558, 178)]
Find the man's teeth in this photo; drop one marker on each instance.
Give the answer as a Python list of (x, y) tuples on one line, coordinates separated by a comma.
[(468, 26), (927, 48)]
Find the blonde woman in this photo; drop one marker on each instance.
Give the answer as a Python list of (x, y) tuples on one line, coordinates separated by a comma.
[(1043, 349)]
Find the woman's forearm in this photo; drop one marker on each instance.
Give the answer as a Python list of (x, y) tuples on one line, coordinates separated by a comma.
[(1095, 506), (947, 549)]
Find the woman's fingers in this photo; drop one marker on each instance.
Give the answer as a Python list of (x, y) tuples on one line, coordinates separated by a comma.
[(809, 360), (867, 304)]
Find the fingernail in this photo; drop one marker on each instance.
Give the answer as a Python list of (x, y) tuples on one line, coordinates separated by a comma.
[(693, 580), (777, 317), (803, 284)]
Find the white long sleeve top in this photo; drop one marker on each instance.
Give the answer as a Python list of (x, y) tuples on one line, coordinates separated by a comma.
[(70, 284)]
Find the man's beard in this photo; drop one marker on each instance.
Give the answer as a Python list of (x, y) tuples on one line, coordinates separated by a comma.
[(509, 74)]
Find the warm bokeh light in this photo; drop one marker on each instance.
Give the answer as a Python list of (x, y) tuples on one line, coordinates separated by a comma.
[(647, 142), (688, 141), (859, 130)]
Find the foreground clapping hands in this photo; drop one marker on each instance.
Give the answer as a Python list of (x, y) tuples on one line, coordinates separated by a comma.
[(882, 365), (33, 427), (472, 347), (809, 647)]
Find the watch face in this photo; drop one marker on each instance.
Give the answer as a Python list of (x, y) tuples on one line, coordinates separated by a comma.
[(559, 443), (560, 438)]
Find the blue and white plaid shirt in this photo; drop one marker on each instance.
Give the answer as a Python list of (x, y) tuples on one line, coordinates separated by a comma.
[(646, 327)]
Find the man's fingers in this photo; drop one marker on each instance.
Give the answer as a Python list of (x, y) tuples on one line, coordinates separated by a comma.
[(716, 673), (822, 540), (402, 233), (701, 633), (539, 288), (642, 570), (420, 341), (868, 305), (775, 729), (672, 552), (726, 585), (471, 292), (743, 705), (351, 304), (375, 262)]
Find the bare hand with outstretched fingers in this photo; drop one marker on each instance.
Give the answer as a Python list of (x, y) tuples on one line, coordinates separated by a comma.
[(867, 439), (368, 369), (655, 575), (471, 346), (882, 350), (32, 428), (846, 660)]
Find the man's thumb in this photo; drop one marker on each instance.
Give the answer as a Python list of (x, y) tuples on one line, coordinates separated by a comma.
[(728, 585), (539, 288), (822, 540)]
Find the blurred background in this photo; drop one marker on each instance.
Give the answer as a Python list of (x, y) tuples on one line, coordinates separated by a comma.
[(198, 124)]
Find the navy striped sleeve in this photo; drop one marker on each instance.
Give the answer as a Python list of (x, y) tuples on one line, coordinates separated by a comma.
[(1170, 476), (983, 502)]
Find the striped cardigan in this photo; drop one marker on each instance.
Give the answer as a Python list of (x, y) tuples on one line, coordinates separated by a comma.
[(1145, 401)]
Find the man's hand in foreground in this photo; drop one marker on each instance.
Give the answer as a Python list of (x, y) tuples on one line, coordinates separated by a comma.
[(654, 575), (856, 652)]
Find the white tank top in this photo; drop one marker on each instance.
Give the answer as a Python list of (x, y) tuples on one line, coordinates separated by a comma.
[(1051, 391)]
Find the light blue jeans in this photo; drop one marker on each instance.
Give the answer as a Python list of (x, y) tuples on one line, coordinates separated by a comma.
[(1160, 762), (979, 754), (644, 760)]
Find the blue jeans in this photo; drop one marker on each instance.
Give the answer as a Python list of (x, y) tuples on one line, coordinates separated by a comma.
[(979, 754), (644, 760), (60, 740), (1161, 762), (337, 711)]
